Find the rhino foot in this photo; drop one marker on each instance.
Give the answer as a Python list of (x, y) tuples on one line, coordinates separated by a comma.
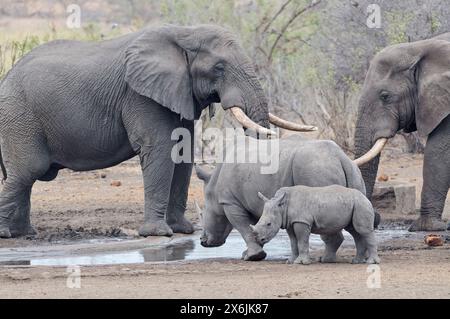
[(303, 260), (254, 255)]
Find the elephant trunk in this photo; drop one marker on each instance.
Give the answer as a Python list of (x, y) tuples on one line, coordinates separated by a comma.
[(363, 144)]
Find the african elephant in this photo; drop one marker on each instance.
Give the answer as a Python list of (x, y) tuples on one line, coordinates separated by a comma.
[(231, 189), (91, 105), (407, 87)]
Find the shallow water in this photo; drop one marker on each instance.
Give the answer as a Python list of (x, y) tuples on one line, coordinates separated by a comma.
[(181, 248)]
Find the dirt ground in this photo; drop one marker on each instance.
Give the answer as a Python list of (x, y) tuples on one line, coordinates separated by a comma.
[(85, 205)]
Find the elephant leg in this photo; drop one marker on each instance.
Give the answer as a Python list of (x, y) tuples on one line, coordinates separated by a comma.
[(302, 232), (157, 170), (150, 134), (436, 180), (179, 191), (241, 220), (24, 165), (178, 198), (332, 244), (15, 210), (294, 245)]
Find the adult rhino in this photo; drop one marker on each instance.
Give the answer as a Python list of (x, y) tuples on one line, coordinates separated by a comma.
[(231, 190)]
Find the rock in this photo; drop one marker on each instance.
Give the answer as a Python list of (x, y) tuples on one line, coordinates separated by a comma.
[(394, 197), (102, 175), (383, 178), (116, 183), (433, 240)]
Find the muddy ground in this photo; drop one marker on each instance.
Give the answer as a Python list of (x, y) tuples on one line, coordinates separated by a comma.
[(80, 206)]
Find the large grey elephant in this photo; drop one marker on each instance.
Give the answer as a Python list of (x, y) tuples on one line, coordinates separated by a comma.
[(91, 105), (231, 190), (407, 87)]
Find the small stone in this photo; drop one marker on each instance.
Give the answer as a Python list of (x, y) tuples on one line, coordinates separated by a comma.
[(116, 183), (383, 178), (433, 240), (102, 175)]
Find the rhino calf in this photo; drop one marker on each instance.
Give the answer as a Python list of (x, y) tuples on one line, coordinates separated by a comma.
[(303, 210)]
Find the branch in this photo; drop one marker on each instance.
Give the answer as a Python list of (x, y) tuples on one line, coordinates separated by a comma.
[(286, 26), (276, 15)]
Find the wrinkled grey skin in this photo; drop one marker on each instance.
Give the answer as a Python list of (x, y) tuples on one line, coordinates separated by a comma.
[(303, 210), (407, 87), (91, 105), (230, 190)]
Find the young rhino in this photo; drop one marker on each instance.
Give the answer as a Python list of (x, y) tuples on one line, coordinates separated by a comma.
[(302, 210)]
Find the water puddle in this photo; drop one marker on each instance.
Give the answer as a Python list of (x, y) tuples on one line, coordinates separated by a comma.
[(178, 248)]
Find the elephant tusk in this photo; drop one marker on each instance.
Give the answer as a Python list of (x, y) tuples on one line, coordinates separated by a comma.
[(372, 153), (246, 122), (199, 212), (275, 120)]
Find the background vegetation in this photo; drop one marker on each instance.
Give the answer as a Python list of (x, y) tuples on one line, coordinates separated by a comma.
[(311, 56)]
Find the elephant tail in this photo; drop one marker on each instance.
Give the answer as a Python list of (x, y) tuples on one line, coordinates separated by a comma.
[(3, 168)]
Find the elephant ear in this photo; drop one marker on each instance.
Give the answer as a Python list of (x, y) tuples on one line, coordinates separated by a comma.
[(433, 83), (157, 66)]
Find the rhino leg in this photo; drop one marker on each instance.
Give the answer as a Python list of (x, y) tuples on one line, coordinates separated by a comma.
[(294, 245), (241, 220), (371, 246), (302, 232), (361, 248), (332, 244)]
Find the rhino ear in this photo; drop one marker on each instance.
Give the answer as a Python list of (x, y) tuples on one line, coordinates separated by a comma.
[(264, 198), (280, 198), (157, 66), (433, 84)]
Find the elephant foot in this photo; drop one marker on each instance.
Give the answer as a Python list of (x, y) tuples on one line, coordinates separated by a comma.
[(156, 228), (328, 259), (182, 226), (5, 233), (254, 254), (302, 260), (428, 223), (23, 231)]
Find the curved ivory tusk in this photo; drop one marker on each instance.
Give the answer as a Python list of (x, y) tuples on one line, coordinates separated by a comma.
[(199, 212), (275, 120), (246, 122), (372, 153)]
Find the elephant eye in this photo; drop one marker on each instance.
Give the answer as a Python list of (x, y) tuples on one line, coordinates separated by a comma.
[(219, 68), (268, 224), (385, 96)]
